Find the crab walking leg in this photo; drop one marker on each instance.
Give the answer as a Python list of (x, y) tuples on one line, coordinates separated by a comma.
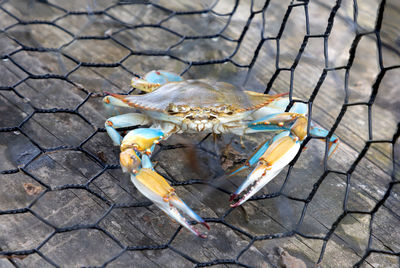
[(322, 133), (279, 106), (144, 85), (112, 101), (162, 77), (121, 121), (154, 80)]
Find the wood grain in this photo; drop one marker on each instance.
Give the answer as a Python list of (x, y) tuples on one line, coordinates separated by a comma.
[(143, 226)]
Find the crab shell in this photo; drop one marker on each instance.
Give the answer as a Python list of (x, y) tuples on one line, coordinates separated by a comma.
[(199, 105)]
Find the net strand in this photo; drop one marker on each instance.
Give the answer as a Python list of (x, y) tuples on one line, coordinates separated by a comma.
[(111, 206)]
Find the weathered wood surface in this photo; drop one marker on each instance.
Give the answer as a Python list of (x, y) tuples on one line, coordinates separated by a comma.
[(149, 226)]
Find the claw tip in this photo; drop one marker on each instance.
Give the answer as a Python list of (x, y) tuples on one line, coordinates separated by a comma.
[(235, 205), (233, 196), (206, 225)]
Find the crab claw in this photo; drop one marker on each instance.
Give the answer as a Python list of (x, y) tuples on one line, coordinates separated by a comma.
[(257, 179), (157, 189), (280, 153)]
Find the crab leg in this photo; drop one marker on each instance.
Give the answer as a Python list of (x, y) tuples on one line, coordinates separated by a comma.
[(296, 123), (275, 154), (322, 133), (121, 121), (279, 106), (112, 101), (272, 118), (154, 80), (280, 152), (157, 189), (142, 140), (274, 122), (136, 148), (146, 164), (273, 114)]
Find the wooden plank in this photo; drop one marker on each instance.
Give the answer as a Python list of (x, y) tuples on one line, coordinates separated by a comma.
[(144, 226)]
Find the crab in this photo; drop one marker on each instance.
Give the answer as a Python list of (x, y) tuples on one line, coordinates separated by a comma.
[(174, 105)]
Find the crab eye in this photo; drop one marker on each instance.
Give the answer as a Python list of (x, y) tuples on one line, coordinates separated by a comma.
[(182, 108), (225, 110), (220, 109)]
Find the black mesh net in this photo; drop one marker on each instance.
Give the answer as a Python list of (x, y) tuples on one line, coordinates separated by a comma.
[(64, 200)]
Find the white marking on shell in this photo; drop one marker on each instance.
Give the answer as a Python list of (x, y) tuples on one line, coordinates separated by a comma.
[(174, 109), (201, 127), (208, 125), (192, 125)]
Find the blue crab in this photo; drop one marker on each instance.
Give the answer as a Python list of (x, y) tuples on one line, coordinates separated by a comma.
[(174, 105)]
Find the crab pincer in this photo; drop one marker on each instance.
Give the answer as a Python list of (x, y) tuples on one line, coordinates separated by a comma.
[(136, 148), (281, 151), (157, 189), (274, 155)]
